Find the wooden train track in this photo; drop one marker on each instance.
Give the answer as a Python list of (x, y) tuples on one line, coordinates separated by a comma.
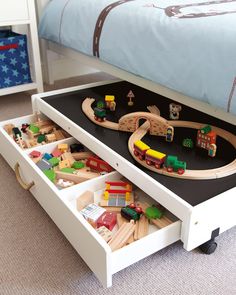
[(223, 171), (219, 172)]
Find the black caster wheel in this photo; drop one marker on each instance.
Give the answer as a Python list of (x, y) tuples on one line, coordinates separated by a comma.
[(208, 247)]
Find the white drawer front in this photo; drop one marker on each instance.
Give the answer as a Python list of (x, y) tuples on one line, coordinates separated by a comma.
[(60, 206), (14, 10), (91, 247), (145, 247)]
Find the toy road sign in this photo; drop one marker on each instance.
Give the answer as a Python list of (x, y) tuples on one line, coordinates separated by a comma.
[(130, 95)]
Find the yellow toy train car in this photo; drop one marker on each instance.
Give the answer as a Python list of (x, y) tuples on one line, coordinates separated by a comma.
[(158, 159)]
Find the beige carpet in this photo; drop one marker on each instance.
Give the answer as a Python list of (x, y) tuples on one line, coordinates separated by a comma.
[(36, 259)]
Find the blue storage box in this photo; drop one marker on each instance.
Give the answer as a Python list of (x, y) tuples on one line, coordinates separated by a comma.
[(14, 59)]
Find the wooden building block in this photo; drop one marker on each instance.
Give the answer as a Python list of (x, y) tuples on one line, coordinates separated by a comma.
[(105, 233), (41, 123), (84, 200), (63, 147), (68, 156), (50, 137), (92, 212), (47, 129), (107, 219), (56, 153), (64, 164), (35, 154), (31, 134), (36, 159), (81, 155), (78, 177), (8, 128)]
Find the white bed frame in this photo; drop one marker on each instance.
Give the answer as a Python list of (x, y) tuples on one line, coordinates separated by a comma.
[(47, 47)]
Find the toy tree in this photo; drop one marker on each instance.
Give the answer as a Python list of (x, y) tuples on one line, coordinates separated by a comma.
[(100, 104), (130, 96)]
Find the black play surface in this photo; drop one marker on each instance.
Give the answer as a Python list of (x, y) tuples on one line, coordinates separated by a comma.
[(192, 191)]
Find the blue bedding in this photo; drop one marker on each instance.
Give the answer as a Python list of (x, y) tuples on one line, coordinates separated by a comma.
[(188, 46)]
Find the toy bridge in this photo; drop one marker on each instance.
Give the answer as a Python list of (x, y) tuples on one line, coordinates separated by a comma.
[(126, 189)]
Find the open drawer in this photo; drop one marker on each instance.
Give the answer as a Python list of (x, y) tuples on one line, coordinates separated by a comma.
[(60, 205)]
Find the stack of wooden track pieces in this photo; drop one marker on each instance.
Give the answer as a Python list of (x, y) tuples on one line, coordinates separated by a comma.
[(117, 228), (35, 134)]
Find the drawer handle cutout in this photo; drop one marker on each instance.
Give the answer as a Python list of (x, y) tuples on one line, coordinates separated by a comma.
[(25, 186)]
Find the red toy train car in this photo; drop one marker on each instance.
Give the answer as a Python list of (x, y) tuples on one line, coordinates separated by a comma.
[(158, 159)]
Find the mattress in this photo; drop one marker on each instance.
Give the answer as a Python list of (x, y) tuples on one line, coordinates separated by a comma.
[(188, 46)]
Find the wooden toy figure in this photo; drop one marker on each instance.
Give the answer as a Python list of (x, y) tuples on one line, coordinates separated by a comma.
[(174, 111), (130, 95), (170, 134), (110, 102)]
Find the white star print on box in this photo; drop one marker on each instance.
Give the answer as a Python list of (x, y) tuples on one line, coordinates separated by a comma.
[(14, 61)]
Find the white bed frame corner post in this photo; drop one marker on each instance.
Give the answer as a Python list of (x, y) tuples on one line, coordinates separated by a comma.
[(56, 66)]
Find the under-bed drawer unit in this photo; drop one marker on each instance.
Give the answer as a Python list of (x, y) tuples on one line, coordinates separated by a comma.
[(198, 209), (205, 206), (61, 207)]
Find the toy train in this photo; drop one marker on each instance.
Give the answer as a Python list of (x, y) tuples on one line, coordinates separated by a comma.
[(158, 159), (99, 114)]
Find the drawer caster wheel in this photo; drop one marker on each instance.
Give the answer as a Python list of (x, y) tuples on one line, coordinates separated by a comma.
[(209, 247)]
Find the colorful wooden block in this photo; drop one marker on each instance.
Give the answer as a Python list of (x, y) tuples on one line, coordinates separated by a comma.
[(44, 165), (108, 219), (35, 154), (54, 161), (63, 147), (56, 153), (50, 174), (92, 212), (84, 200), (105, 233), (64, 164)]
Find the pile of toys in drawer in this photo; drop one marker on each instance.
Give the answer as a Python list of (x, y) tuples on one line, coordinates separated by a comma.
[(60, 157), (68, 164), (38, 133), (120, 217)]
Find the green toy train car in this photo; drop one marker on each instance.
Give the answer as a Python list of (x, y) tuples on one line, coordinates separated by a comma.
[(99, 114), (131, 212), (173, 164)]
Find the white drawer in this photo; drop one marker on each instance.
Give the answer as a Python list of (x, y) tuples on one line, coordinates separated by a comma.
[(14, 10), (60, 206)]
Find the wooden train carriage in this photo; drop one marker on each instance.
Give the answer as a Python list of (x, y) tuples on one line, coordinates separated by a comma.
[(98, 164), (99, 114), (173, 164), (140, 149), (129, 213), (155, 158)]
